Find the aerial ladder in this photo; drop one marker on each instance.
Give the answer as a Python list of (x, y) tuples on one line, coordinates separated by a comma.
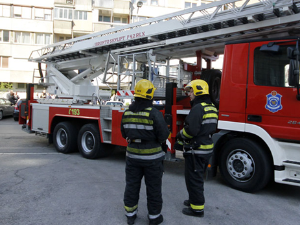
[(205, 28)]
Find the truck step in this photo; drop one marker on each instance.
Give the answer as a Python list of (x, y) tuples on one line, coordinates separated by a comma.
[(107, 142), (291, 180), (293, 164), (107, 118)]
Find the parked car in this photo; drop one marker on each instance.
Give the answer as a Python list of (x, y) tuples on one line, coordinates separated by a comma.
[(16, 110), (6, 108), (114, 103)]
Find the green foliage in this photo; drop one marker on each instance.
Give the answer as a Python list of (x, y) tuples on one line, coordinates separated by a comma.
[(4, 86)]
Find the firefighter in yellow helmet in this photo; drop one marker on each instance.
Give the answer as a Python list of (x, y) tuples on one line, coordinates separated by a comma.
[(197, 144), (145, 129)]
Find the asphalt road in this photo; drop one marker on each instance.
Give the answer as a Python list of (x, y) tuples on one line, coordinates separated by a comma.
[(39, 186)]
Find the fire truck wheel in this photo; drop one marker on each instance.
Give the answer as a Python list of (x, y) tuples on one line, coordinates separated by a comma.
[(245, 165), (64, 137), (213, 79), (89, 142)]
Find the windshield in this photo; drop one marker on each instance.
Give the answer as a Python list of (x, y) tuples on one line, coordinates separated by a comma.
[(271, 69)]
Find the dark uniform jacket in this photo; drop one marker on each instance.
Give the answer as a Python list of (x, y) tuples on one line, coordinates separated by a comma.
[(199, 126), (146, 130)]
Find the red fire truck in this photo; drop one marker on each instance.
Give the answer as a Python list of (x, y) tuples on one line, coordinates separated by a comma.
[(257, 91)]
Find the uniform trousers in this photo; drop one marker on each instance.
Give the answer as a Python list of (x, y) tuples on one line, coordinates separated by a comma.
[(194, 180), (152, 171)]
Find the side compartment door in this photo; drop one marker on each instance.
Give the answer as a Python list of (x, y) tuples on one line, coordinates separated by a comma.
[(271, 102)]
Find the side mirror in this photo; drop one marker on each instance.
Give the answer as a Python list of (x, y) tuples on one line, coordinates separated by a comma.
[(293, 73), (292, 53)]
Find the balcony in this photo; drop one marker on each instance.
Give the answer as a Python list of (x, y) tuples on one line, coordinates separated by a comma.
[(121, 7), (62, 27), (102, 26), (104, 4), (64, 2)]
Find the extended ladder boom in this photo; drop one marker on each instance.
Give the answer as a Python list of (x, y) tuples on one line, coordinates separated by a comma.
[(206, 25)]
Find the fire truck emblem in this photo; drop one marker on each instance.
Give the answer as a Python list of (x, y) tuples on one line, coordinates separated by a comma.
[(273, 102)]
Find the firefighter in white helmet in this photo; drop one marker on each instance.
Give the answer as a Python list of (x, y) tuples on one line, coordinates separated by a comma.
[(197, 145), (145, 130)]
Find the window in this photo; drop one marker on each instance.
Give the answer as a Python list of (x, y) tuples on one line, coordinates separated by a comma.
[(26, 12), (5, 10), (80, 15), (144, 1), (42, 39), (3, 62), (161, 2), (154, 2), (22, 12), (22, 37), (47, 14), (104, 16), (120, 20), (17, 11), (4, 36), (21, 85), (189, 4), (140, 18), (136, 1), (62, 38), (270, 69), (42, 14), (63, 13)]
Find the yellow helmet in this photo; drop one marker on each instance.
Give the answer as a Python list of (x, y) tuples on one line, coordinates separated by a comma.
[(200, 87), (144, 89)]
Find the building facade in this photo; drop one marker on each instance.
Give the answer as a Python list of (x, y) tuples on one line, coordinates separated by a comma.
[(29, 25)]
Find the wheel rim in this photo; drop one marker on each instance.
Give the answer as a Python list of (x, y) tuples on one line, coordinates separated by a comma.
[(61, 138), (240, 165), (88, 142)]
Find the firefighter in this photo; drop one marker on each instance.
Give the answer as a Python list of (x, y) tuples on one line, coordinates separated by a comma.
[(197, 145), (145, 130)]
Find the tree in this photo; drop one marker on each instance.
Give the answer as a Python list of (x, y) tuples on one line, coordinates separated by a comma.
[(4, 86)]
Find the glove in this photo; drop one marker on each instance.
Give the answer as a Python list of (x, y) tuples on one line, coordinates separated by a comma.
[(164, 147), (178, 145), (178, 136)]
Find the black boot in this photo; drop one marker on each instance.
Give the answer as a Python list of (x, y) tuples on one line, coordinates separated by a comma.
[(156, 221), (187, 202), (191, 212), (131, 219)]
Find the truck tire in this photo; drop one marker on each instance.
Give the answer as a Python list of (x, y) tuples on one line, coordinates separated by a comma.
[(89, 142), (64, 137), (245, 165), (213, 79)]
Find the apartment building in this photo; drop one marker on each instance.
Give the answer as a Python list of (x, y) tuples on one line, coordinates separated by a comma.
[(29, 25)]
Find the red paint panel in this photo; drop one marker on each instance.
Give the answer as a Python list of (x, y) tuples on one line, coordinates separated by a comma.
[(73, 112), (282, 124), (234, 79), (232, 117)]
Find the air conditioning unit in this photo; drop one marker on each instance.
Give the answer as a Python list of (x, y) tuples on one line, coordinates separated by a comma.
[(69, 2)]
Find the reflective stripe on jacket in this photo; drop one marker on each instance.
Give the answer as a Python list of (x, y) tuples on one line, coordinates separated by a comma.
[(149, 126), (199, 126)]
